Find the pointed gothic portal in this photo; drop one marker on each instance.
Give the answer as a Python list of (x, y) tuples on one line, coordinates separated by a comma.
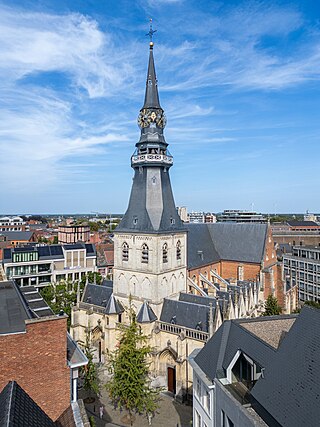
[(151, 206)]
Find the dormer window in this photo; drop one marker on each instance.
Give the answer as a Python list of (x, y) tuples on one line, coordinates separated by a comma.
[(145, 254), (178, 250), (165, 253), (125, 252)]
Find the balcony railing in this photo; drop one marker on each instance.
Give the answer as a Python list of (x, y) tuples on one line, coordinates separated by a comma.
[(152, 158)]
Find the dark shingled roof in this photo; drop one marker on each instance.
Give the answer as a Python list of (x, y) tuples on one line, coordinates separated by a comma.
[(114, 306), (189, 315), (138, 216), (13, 309), (289, 390), (17, 409), (97, 294), (17, 235), (208, 243), (146, 314)]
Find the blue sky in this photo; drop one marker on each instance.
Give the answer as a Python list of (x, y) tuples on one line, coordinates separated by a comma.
[(238, 80)]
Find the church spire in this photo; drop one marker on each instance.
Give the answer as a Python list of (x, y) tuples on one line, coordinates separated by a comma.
[(151, 205), (151, 99)]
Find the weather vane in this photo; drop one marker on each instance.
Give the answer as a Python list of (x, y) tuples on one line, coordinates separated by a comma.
[(151, 31)]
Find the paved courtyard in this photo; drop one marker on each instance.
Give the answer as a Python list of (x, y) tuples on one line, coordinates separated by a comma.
[(170, 413)]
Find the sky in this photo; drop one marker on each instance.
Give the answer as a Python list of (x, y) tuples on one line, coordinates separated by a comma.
[(239, 82)]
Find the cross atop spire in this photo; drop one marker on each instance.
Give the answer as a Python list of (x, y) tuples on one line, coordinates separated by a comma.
[(151, 32)]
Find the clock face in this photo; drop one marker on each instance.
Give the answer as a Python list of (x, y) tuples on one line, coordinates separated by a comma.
[(146, 117)]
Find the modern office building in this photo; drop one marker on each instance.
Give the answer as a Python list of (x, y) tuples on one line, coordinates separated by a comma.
[(230, 215), (302, 268), (41, 265)]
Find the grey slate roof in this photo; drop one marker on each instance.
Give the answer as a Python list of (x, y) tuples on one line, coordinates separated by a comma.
[(114, 306), (138, 217), (17, 235), (208, 243), (288, 393), (146, 314), (186, 314), (151, 99), (290, 389), (75, 356), (17, 409), (13, 309), (97, 294)]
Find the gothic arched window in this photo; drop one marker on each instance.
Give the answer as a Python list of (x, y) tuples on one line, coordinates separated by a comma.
[(145, 253), (165, 253), (125, 252), (178, 250)]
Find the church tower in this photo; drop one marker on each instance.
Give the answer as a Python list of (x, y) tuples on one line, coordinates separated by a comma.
[(150, 242)]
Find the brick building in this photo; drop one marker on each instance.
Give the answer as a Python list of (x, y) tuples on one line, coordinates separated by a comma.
[(237, 252), (36, 351), (73, 233)]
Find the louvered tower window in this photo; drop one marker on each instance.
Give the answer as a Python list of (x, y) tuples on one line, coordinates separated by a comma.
[(145, 254), (125, 252), (165, 253), (178, 250)]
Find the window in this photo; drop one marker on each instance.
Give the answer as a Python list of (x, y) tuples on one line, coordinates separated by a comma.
[(125, 252), (165, 253), (197, 419), (198, 387), (145, 254), (207, 401), (178, 250)]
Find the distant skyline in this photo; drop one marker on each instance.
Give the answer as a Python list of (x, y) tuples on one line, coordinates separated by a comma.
[(239, 82)]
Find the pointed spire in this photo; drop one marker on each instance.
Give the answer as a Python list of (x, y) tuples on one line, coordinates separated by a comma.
[(146, 314), (151, 99), (113, 306)]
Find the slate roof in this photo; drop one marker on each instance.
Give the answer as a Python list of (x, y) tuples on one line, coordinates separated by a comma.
[(97, 294), (146, 314), (288, 393), (17, 235), (212, 242), (189, 315), (138, 217), (75, 356), (17, 409), (13, 309), (114, 306)]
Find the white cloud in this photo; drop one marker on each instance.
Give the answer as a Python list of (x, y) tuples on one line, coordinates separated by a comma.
[(74, 44)]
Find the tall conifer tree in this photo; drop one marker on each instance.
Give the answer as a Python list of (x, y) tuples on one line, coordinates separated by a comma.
[(129, 387)]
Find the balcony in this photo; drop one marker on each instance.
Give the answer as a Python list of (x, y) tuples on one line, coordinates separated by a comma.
[(240, 392), (152, 159)]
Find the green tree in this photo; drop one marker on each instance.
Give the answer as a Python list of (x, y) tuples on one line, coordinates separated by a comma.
[(90, 371), (92, 277), (61, 296), (129, 387), (271, 306)]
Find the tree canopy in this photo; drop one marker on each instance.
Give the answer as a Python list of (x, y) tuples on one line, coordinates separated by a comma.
[(129, 387), (272, 308)]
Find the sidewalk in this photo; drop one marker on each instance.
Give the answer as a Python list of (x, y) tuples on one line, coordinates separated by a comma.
[(170, 413)]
